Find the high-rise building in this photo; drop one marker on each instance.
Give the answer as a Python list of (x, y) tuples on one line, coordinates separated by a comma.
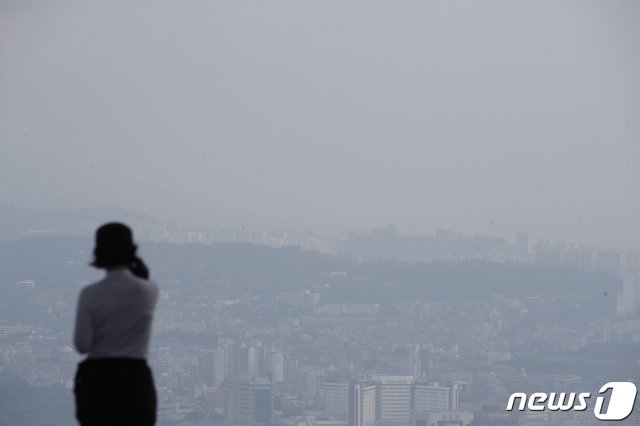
[(243, 357), (431, 397), (206, 369), (336, 397), (607, 261), (244, 361), (630, 265), (393, 398), (354, 402), (454, 397), (229, 361), (291, 370), (275, 364), (312, 379), (414, 360), (362, 404), (425, 362), (248, 403), (218, 366), (629, 300)]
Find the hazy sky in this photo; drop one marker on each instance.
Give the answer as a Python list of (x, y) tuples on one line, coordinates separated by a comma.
[(483, 116)]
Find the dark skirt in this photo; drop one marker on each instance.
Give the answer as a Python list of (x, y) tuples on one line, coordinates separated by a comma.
[(115, 391)]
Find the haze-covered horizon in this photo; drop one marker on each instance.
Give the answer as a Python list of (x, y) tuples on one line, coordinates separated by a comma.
[(492, 117), (23, 222)]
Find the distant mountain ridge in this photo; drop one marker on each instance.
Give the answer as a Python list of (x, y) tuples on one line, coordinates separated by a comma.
[(266, 271)]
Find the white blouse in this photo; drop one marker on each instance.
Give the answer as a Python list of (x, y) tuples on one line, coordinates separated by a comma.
[(114, 316)]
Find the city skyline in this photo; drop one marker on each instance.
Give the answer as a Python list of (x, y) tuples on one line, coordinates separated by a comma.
[(332, 341), (22, 221)]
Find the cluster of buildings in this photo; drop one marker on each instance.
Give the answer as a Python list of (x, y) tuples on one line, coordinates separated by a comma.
[(625, 265), (244, 381), (234, 354), (418, 363), (386, 399)]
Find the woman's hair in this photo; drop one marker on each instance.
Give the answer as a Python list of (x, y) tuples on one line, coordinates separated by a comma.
[(114, 247), (139, 268)]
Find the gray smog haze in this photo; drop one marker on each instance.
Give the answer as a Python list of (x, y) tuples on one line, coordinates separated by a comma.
[(489, 117)]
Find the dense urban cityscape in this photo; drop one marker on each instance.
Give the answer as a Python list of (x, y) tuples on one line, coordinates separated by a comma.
[(319, 343)]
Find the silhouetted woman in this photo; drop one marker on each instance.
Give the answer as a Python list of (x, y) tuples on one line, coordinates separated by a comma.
[(113, 385)]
